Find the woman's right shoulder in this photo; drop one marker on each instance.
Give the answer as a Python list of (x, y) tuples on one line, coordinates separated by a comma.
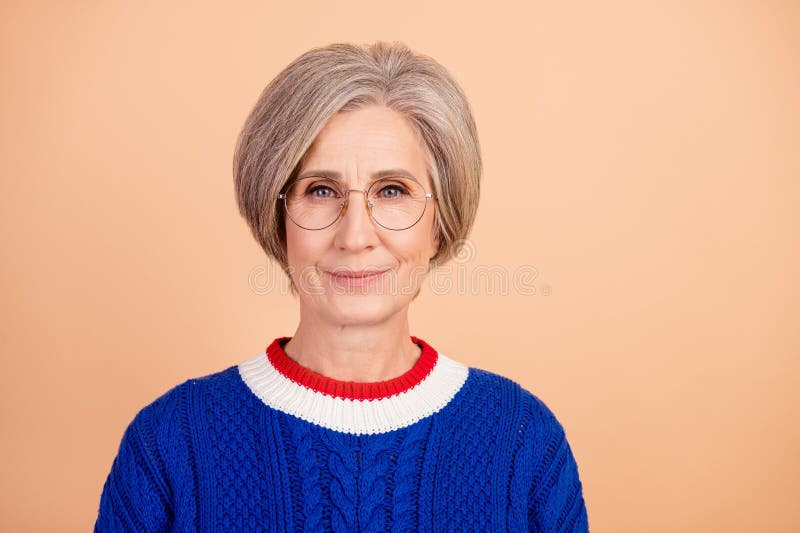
[(164, 424), (161, 431), (150, 479), (185, 397)]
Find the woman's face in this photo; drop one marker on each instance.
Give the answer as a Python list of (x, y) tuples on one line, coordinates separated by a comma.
[(357, 145)]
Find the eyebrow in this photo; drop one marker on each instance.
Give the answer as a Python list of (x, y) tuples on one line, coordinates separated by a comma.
[(332, 174)]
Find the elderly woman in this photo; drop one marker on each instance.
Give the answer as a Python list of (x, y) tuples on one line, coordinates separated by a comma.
[(357, 170)]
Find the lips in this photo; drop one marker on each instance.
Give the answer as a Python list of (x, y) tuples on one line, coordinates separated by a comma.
[(343, 273), (350, 279), (356, 274)]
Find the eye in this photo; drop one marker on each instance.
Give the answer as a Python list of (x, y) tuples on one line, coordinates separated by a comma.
[(321, 191), (392, 190)]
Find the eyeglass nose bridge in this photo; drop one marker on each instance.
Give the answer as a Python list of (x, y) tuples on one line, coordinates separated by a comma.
[(346, 203)]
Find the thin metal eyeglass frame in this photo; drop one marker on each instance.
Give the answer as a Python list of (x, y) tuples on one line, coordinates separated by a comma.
[(346, 203)]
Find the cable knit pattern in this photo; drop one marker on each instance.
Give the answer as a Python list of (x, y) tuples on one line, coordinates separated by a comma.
[(306, 477), (225, 452), (409, 453), (374, 472), (342, 459), (521, 458)]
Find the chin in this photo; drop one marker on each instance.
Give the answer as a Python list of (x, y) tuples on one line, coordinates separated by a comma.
[(361, 309)]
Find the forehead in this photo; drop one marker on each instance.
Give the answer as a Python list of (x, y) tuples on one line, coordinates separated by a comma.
[(365, 143)]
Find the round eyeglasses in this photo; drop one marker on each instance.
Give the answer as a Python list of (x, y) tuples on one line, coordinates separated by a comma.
[(395, 203)]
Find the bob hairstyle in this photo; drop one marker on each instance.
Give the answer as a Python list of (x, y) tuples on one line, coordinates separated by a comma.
[(340, 77)]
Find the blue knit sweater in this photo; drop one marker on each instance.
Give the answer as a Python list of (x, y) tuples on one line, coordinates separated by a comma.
[(268, 445)]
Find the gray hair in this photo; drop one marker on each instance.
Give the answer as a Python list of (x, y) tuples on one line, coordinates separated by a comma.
[(323, 81)]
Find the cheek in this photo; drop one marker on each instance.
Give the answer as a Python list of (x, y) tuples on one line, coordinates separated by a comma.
[(303, 252), (300, 247), (415, 248), (291, 245)]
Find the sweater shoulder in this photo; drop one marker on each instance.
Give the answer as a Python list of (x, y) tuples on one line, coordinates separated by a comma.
[(168, 402), (152, 478), (165, 420), (509, 393), (165, 425)]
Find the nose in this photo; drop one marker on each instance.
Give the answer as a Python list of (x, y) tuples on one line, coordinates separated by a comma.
[(355, 229)]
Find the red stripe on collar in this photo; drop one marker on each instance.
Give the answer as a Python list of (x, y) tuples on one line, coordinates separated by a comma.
[(353, 390)]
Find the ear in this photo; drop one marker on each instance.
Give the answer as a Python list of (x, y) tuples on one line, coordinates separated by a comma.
[(434, 245)]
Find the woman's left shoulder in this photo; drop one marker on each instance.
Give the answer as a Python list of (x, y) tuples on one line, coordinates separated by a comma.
[(510, 395)]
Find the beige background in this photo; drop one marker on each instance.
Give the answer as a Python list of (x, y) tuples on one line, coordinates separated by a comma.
[(642, 157)]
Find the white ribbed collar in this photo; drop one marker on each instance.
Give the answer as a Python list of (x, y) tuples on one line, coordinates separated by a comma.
[(355, 416)]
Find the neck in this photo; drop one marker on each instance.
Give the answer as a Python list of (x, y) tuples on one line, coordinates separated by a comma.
[(362, 352)]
